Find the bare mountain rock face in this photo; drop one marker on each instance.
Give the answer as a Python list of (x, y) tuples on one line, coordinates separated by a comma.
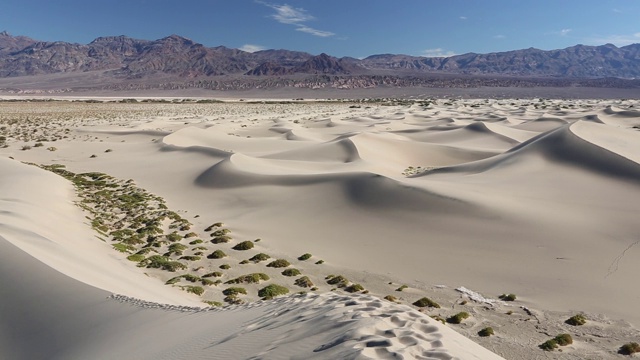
[(174, 57)]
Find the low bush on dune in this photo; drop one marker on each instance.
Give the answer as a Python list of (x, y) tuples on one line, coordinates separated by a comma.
[(196, 241), (560, 340), (458, 318), (280, 263), (271, 291), (507, 297), (135, 257), (234, 291), (213, 303), (245, 245), (304, 257), (213, 274), (426, 302), (218, 254), (486, 332), (220, 232), (339, 281), (125, 248), (291, 272), (629, 348), (162, 262), (259, 257), (391, 298), (198, 290), (225, 266), (207, 282), (216, 225), (304, 282), (221, 239), (564, 339), (576, 320), (249, 279), (354, 288), (549, 345), (402, 287)]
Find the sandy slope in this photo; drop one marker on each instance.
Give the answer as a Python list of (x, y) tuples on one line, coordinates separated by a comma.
[(49, 314), (538, 198)]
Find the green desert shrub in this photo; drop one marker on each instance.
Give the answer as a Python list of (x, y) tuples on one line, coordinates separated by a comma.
[(549, 345), (213, 303), (174, 236), (280, 263), (173, 280), (560, 340), (304, 257), (221, 239), (391, 298), (198, 290), (304, 282), (254, 278), (243, 262), (216, 225), (220, 232), (196, 241), (190, 258), (177, 248), (629, 348), (135, 257), (245, 245), (576, 320), (259, 257), (507, 297), (191, 278), (354, 288), (125, 248), (162, 262), (488, 331), (190, 235), (564, 339), (426, 302), (271, 291), (218, 254), (339, 281), (291, 272), (213, 274), (402, 287), (207, 282), (458, 318), (319, 262), (225, 266), (234, 291)]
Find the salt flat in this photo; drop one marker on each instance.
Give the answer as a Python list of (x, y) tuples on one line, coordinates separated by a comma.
[(533, 197)]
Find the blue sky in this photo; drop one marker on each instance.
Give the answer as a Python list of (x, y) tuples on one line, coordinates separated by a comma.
[(356, 28)]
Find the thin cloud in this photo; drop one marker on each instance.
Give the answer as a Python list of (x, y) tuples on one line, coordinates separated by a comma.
[(438, 52), (315, 32), (618, 11), (499, 36), (286, 14), (564, 32), (251, 48), (463, 18), (618, 40)]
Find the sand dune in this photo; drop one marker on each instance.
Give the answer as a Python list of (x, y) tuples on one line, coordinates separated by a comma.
[(533, 197)]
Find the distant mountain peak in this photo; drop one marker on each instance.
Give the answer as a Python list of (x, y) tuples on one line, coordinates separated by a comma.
[(182, 57)]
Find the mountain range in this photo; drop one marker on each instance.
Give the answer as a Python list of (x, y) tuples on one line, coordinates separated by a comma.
[(125, 58)]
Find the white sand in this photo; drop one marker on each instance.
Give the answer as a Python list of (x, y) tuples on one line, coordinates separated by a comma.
[(529, 197)]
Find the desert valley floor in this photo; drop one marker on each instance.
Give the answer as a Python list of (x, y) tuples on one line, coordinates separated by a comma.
[(456, 201)]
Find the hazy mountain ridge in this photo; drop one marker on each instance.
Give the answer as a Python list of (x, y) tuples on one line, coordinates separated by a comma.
[(175, 56)]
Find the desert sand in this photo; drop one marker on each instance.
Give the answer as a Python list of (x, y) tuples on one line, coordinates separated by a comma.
[(459, 201)]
